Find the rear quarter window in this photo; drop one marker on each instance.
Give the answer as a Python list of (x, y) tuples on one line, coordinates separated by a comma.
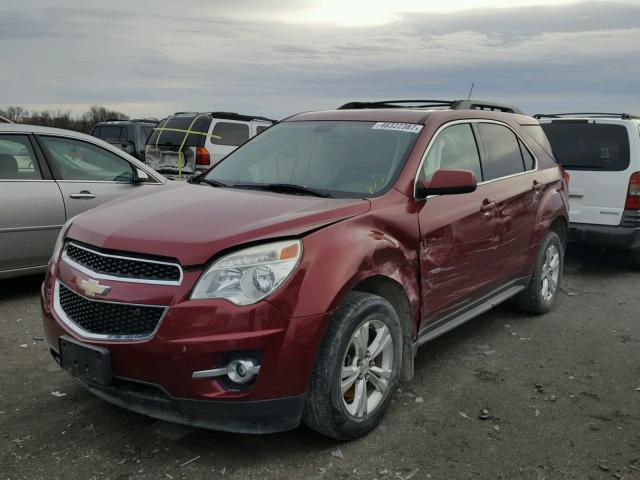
[(579, 145), (231, 134)]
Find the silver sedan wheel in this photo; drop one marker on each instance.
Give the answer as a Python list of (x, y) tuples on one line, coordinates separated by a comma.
[(550, 272), (367, 368)]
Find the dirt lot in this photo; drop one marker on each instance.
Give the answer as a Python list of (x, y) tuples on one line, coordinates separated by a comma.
[(562, 393)]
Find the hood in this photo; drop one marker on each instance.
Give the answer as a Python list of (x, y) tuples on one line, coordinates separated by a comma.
[(194, 222)]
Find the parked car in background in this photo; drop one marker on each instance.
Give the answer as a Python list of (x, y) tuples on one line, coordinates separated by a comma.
[(48, 176), (4, 120), (187, 143), (601, 152), (297, 278), (128, 135)]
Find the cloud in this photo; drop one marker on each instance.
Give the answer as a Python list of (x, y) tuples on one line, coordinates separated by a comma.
[(146, 58)]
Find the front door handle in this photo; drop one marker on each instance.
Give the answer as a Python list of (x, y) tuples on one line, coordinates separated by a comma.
[(83, 194), (488, 206)]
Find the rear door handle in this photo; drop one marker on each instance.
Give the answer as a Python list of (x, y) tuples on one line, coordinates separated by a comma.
[(83, 194), (538, 186), (488, 207)]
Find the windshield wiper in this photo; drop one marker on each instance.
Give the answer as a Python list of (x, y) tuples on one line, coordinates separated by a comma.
[(213, 183), (282, 188)]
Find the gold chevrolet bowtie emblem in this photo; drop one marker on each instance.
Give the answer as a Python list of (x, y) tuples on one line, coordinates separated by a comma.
[(92, 287)]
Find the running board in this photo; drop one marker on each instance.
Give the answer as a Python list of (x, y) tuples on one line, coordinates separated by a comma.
[(467, 313)]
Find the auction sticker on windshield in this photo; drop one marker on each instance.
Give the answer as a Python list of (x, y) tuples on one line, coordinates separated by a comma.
[(403, 127)]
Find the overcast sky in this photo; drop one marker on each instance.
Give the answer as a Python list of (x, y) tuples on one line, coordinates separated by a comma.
[(275, 58)]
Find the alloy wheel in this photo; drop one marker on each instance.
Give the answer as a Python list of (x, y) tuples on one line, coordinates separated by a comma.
[(366, 368)]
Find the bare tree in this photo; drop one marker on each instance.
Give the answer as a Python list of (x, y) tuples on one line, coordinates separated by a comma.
[(63, 118), (15, 114)]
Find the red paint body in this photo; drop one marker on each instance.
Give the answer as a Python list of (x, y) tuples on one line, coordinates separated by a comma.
[(445, 252)]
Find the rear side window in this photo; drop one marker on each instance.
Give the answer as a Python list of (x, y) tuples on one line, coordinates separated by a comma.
[(146, 133), (454, 148), (110, 132), (232, 134), (503, 156), (172, 131), (589, 146), (261, 128), (17, 160)]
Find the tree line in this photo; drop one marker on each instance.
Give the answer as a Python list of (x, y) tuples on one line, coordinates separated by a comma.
[(63, 118)]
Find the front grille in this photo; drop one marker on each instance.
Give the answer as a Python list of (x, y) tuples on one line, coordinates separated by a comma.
[(124, 267), (105, 318)]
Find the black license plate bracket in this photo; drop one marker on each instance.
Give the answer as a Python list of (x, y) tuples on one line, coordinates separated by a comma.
[(87, 362)]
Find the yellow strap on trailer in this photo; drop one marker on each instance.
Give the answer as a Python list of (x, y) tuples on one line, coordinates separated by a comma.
[(184, 139)]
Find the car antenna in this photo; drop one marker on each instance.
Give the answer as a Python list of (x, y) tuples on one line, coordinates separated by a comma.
[(470, 91)]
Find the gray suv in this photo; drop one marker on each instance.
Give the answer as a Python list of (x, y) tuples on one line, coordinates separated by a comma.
[(128, 135)]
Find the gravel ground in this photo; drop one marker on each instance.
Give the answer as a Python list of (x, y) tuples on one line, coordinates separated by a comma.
[(561, 393)]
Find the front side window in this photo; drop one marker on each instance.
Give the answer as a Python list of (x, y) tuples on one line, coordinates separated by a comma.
[(341, 158), (17, 159), (579, 145), (503, 156), (454, 148), (72, 159), (231, 134)]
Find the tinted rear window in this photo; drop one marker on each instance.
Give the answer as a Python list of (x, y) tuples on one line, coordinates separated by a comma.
[(110, 132), (232, 134), (173, 130), (503, 151), (589, 146)]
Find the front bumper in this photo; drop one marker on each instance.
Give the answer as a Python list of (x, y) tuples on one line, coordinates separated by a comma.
[(154, 376), (624, 238), (256, 417)]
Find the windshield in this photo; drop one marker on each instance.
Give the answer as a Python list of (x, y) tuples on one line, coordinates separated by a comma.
[(349, 159)]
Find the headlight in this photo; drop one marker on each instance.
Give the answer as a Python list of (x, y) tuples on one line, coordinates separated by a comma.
[(249, 275), (60, 240)]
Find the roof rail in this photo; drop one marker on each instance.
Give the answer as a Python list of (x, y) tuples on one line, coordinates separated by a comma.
[(143, 120), (451, 104), (396, 104), (623, 116), (114, 120), (239, 116), (482, 105)]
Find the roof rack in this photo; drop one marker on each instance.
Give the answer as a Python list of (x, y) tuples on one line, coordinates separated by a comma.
[(230, 116), (238, 116), (450, 104), (623, 116)]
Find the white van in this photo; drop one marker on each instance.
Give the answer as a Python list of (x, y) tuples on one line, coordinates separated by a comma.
[(187, 143), (601, 153)]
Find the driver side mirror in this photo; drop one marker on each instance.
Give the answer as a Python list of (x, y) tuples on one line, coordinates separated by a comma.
[(140, 176), (447, 182)]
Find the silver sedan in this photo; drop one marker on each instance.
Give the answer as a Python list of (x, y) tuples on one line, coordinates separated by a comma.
[(49, 175)]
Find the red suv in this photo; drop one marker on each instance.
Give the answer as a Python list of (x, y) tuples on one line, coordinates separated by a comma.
[(295, 280)]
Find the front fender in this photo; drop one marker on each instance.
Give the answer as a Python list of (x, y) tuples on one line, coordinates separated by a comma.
[(335, 259)]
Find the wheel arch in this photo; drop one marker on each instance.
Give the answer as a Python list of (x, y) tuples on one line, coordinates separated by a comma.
[(393, 292)]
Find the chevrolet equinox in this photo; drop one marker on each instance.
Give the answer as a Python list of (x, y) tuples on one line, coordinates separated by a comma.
[(294, 281)]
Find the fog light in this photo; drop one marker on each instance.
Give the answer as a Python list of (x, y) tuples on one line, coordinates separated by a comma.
[(239, 371), (242, 371)]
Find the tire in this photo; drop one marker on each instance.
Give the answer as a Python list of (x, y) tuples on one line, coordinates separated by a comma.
[(536, 298), (327, 410)]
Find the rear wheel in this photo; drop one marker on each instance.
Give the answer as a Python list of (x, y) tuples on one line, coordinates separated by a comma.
[(357, 368), (540, 296)]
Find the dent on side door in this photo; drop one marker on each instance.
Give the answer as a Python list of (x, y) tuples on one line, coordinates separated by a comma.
[(457, 249)]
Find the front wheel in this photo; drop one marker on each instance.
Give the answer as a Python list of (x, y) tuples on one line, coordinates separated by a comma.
[(540, 296), (357, 368)]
